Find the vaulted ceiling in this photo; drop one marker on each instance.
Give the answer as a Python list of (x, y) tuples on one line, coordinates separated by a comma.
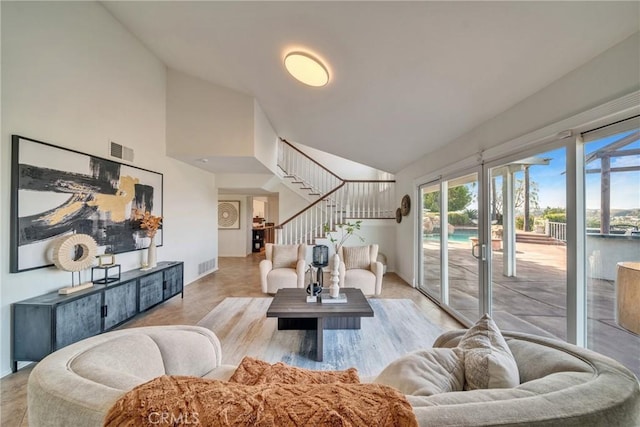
[(406, 77)]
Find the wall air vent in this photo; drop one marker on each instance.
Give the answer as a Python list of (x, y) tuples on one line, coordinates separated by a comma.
[(209, 265), (121, 152)]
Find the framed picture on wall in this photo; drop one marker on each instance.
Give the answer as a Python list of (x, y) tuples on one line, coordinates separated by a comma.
[(56, 191), (229, 214)]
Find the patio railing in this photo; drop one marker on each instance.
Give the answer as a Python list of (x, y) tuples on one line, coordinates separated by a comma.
[(557, 230)]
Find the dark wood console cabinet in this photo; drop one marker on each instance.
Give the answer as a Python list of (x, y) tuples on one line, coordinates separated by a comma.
[(46, 323)]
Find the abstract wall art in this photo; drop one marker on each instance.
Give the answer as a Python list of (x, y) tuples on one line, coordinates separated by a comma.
[(228, 214), (57, 191)]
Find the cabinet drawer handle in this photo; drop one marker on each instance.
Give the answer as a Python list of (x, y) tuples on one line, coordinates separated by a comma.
[(164, 285)]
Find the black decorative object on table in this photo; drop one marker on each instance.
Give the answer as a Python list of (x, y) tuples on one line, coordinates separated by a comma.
[(320, 259), (320, 256), (106, 279), (317, 289)]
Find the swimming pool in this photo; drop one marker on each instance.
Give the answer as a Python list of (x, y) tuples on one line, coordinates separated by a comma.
[(459, 235)]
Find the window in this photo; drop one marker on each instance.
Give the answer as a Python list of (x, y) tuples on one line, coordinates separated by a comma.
[(612, 219)]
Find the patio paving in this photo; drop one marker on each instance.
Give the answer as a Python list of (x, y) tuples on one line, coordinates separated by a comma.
[(535, 300)]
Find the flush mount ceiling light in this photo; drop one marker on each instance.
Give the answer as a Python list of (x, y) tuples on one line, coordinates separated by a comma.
[(306, 68)]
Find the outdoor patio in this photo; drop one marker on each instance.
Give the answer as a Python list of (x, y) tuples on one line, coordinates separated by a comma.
[(534, 301)]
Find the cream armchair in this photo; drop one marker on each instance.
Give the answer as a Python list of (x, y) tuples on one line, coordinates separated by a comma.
[(360, 269), (284, 267)]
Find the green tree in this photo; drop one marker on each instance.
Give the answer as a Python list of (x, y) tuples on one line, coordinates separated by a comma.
[(459, 198), (431, 201), (555, 214), (550, 210)]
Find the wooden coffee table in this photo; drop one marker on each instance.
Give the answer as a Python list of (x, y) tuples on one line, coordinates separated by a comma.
[(294, 312)]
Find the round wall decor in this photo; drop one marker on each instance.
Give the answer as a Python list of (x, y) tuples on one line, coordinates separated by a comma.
[(228, 214), (405, 205), (398, 215), (75, 252)]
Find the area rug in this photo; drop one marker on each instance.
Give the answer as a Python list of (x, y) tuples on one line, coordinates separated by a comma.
[(398, 327)]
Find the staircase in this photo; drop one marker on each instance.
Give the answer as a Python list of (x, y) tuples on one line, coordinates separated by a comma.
[(333, 200), (537, 238)]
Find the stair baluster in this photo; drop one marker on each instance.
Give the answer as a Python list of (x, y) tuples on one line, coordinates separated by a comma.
[(338, 200)]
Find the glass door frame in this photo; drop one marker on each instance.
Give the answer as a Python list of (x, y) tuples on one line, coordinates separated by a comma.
[(484, 231), (443, 298), (576, 303), (566, 133), (574, 190)]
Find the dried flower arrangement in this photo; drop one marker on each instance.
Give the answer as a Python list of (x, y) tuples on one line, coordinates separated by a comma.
[(148, 222)]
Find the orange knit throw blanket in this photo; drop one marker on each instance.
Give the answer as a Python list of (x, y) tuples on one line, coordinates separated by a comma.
[(176, 400), (254, 371)]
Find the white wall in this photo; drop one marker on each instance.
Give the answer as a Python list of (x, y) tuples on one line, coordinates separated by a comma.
[(373, 231), (259, 208), (614, 73), (74, 77), (237, 181), (207, 119), (344, 168), (265, 139), (237, 242), (289, 203), (272, 214), (605, 252)]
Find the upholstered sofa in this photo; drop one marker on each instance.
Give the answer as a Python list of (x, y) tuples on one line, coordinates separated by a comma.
[(76, 385), (560, 384)]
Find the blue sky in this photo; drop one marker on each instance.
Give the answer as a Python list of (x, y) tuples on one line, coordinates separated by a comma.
[(625, 186)]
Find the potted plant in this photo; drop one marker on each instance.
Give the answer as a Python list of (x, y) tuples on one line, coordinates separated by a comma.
[(346, 230)]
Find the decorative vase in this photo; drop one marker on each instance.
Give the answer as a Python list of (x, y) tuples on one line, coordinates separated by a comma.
[(334, 290), (151, 254)]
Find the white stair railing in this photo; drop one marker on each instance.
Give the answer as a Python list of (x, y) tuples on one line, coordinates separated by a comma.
[(557, 230), (338, 200), (305, 171)]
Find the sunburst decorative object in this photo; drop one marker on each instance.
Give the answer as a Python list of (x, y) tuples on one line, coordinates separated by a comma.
[(74, 253)]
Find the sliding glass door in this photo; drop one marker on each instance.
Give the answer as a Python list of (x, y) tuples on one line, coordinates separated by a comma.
[(538, 239), (465, 251), (527, 204), (612, 240), (450, 253), (431, 239)]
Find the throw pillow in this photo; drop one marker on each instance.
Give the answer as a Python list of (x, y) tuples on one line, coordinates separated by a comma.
[(488, 362), (254, 371), (426, 372), (285, 256), (356, 257)]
